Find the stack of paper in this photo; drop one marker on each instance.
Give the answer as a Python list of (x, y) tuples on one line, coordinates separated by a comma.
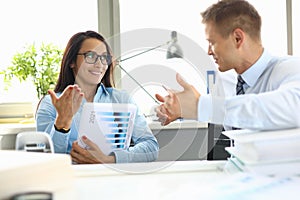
[(23, 172), (265, 152)]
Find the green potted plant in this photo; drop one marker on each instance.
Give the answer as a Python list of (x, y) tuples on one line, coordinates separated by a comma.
[(40, 65)]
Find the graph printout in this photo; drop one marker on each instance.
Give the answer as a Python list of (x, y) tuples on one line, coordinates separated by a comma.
[(109, 125)]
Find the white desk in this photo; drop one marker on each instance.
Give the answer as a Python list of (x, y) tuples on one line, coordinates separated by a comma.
[(187, 180), (185, 124), (157, 180)]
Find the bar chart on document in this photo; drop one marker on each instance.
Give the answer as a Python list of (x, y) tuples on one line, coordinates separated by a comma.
[(109, 125)]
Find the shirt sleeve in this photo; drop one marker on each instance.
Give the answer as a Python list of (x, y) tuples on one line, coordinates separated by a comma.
[(265, 111), (211, 109), (274, 104), (211, 106), (205, 108)]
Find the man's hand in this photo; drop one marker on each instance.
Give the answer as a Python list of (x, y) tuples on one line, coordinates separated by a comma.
[(166, 116), (178, 104)]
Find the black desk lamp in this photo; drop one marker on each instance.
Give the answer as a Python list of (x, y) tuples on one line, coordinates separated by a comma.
[(173, 51)]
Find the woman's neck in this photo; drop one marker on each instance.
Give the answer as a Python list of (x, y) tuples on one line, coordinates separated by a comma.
[(89, 93)]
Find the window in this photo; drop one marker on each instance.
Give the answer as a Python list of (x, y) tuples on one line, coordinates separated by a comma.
[(183, 17), (296, 28), (33, 21), (54, 21)]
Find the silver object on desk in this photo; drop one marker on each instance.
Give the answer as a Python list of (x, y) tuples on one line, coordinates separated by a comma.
[(34, 141)]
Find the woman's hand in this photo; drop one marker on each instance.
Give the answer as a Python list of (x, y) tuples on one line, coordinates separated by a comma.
[(91, 155), (66, 105)]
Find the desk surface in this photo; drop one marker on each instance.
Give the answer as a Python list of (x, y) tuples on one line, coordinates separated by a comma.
[(185, 124), (178, 180), (157, 180)]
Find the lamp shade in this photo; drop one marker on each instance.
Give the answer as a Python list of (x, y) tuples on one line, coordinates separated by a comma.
[(174, 50)]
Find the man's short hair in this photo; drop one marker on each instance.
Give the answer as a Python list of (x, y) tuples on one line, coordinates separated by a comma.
[(227, 15)]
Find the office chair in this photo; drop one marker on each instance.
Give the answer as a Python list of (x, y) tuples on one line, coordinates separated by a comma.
[(217, 143), (34, 141)]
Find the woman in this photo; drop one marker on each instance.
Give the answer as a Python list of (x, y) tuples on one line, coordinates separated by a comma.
[(87, 76)]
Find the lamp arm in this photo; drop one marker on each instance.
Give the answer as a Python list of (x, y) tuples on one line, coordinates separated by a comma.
[(121, 60), (153, 48), (138, 83)]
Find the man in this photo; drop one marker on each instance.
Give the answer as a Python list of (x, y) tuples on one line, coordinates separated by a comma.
[(270, 86)]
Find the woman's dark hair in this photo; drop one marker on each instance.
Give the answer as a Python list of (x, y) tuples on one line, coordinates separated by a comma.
[(66, 75)]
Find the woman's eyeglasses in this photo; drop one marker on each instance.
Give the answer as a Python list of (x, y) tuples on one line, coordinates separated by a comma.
[(91, 57)]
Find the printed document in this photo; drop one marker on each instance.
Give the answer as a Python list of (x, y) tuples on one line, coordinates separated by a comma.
[(109, 125)]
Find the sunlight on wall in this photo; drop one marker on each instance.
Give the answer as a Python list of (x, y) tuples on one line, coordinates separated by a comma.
[(185, 18), (35, 21)]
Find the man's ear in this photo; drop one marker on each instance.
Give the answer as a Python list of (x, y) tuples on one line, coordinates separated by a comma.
[(239, 36)]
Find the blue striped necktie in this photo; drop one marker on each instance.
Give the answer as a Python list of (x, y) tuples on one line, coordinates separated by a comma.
[(239, 91), (239, 86)]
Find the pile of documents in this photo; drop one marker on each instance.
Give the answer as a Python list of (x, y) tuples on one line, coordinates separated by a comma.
[(265, 152), (25, 172)]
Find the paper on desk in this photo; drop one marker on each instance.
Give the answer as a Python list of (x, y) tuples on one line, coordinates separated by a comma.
[(246, 135), (23, 172), (109, 125), (248, 186)]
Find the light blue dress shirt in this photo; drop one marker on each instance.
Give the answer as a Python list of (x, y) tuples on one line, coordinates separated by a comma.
[(271, 100), (145, 147)]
